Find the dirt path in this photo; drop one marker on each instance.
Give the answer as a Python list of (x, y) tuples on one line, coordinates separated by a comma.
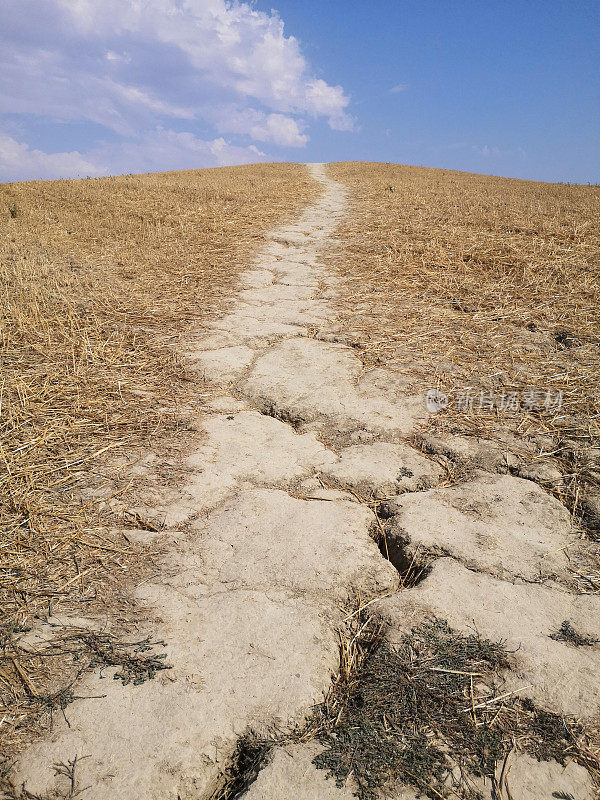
[(249, 599)]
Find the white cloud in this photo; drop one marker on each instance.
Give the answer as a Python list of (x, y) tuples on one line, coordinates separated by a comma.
[(124, 58), (491, 151), (281, 130), (162, 150), (229, 44), (400, 87), (330, 101), (44, 85), (137, 97), (156, 151), (133, 67), (277, 128), (19, 162)]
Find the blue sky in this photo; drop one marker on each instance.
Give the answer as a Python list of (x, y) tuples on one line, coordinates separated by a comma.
[(96, 87)]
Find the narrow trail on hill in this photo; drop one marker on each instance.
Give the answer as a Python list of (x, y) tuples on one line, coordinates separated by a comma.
[(250, 597)]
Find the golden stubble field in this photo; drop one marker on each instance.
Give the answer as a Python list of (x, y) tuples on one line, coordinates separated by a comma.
[(474, 284), (460, 282), (99, 280)]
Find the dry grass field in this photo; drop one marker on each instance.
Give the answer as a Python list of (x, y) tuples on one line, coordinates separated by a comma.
[(479, 287), (468, 284), (99, 278)]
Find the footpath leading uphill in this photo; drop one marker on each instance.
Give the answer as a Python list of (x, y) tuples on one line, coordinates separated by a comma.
[(271, 537)]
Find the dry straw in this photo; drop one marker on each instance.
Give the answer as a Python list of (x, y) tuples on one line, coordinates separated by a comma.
[(469, 281)]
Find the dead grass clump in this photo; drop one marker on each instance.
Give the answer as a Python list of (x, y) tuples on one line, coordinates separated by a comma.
[(250, 756), (487, 289), (100, 280), (401, 717), (431, 714), (67, 772), (73, 651), (567, 633)]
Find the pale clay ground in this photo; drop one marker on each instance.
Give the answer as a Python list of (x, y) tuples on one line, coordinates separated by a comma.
[(249, 601)]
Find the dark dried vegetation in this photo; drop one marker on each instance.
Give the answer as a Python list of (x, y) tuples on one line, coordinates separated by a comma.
[(75, 651), (430, 714), (249, 758), (567, 633)]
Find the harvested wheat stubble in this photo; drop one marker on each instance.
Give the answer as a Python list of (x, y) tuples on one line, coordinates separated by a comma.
[(99, 280), (464, 281)]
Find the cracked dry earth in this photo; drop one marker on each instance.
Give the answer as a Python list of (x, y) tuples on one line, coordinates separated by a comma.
[(249, 599)]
